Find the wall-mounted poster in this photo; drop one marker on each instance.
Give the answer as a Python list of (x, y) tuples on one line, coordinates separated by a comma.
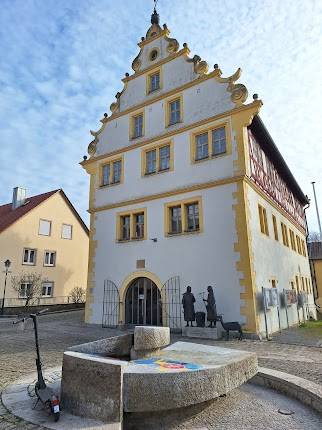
[(291, 297), (270, 297)]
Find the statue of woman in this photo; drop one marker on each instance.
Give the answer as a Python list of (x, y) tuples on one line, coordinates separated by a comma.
[(188, 301), (211, 307)]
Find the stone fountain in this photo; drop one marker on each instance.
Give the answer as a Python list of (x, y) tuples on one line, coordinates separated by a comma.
[(142, 372)]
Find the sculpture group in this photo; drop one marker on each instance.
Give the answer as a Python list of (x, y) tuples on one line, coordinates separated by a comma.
[(188, 303)]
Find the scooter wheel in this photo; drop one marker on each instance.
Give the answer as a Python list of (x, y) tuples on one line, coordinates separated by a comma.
[(56, 416)]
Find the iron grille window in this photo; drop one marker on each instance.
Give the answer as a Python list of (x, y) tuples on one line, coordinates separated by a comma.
[(175, 114), (125, 227), (202, 146), (155, 82), (139, 226), (151, 161), (218, 141), (138, 126), (29, 256), (106, 175), (117, 171), (164, 157), (192, 211), (175, 220)]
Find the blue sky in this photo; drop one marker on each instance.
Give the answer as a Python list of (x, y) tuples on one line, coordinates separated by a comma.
[(62, 61)]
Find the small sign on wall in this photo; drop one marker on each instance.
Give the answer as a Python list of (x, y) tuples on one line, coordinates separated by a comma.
[(140, 264), (291, 297)]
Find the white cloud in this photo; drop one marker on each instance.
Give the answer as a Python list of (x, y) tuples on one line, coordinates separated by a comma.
[(64, 61)]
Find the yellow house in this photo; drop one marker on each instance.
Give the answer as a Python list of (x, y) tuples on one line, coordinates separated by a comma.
[(315, 256), (44, 235)]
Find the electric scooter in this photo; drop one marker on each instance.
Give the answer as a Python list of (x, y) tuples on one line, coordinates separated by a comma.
[(44, 394)]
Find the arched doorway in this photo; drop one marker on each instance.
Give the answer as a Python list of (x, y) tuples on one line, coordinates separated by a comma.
[(143, 303)]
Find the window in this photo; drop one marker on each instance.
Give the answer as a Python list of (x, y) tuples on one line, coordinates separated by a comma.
[(24, 291), (151, 161), (218, 141), (125, 227), (137, 126), (202, 146), (298, 242), (153, 81), (212, 142), (275, 227), (29, 256), (303, 248), (183, 217), (192, 216), (112, 173), (263, 220), (306, 285), (297, 284), (292, 285), (292, 238), (139, 225), (47, 289), (273, 283), (175, 220), (284, 234), (173, 111), (66, 231), (158, 159), (153, 55), (44, 227), (50, 258), (131, 225)]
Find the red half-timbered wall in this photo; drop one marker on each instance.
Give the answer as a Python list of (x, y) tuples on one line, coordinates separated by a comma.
[(265, 175)]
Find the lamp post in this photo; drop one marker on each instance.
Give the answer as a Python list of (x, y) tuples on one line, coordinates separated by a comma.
[(7, 265)]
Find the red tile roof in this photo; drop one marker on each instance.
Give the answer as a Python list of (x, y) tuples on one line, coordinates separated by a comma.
[(8, 215)]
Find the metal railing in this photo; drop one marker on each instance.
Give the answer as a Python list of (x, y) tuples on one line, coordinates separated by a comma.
[(39, 301)]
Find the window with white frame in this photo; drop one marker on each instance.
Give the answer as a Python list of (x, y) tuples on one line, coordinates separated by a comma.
[(50, 258), (151, 161), (67, 231), (24, 291), (29, 256), (125, 227), (44, 227), (164, 157), (175, 220), (139, 225), (47, 289)]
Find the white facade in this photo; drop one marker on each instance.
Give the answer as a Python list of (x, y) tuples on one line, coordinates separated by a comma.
[(228, 251)]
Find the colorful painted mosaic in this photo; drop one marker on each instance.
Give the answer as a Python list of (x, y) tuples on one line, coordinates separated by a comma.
[(166, 364)]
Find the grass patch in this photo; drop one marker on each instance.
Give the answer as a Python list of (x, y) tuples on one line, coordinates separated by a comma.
[(315, 325)]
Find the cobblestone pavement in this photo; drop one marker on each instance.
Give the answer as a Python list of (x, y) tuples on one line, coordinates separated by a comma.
[(59, 331)]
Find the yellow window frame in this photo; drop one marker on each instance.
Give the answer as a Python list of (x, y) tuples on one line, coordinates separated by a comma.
[(132, 124), (148, 80), (184, 218), (167, 109), (275, 227), (209, 130), (131, 214), (157, 148), (111, 162)]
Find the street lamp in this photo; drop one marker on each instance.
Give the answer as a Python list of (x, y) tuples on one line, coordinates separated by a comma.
[(7, 264)]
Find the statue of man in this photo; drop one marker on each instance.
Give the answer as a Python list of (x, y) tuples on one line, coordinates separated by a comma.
[(211, 307), (188, 301)]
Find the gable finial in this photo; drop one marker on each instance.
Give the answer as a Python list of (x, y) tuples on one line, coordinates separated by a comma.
[(155, 19)]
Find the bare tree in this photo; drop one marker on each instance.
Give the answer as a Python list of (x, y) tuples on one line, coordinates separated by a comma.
[(28, 287), (78, 295), (314, 236)]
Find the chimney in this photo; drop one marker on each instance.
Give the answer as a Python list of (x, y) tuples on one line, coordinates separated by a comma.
[(18, 197)]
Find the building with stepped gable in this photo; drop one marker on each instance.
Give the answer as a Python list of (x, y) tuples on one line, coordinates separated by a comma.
[(187, 187)]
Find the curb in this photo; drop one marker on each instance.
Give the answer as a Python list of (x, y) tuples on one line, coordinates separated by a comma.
[(305, 391)]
